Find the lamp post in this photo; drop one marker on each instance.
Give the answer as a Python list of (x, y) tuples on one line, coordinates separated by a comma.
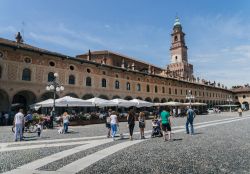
[(189, 96), (55, 87), (229, 99)]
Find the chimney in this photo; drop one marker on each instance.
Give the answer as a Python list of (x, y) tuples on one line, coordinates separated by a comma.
[(19, 38), (149, 69), (89, 56), (123, 63), (133, 66)]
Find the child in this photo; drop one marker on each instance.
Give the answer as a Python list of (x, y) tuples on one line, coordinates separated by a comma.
[(39, 127)]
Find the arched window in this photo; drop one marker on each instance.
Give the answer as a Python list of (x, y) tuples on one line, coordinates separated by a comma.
[(169, 91), (175, 38), (163, 89), (104, 83), (138, 87), (71, 79), (88, 81), (128, 86), (50, 76), (117, 84), (148, 88), (175, 91), (26, 74), (156, 89)]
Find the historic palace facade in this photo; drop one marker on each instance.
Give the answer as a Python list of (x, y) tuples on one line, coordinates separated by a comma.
[(25, 71)]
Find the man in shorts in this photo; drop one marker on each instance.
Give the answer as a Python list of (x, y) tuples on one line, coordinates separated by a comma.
[(166, 124), (190, 120)]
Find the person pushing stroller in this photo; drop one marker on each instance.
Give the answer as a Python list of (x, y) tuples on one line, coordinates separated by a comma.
[(156, 128)]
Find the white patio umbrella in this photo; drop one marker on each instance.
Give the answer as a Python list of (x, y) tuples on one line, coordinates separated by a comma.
[(45, 103), (72, 102), (195, 104), (172, 103), (141, 103), (101, 102), (123, 103)]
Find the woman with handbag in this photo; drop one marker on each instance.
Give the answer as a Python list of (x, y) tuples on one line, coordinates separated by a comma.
[(131, 123)]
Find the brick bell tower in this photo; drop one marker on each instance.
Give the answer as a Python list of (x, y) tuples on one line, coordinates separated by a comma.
[(179, 66)]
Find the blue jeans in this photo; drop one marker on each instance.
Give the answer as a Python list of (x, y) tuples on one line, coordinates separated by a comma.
[(190, 121), (65, 127), (114, 129), (18, 131)]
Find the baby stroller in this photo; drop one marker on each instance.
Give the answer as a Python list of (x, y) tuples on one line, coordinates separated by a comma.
[(156, 131)]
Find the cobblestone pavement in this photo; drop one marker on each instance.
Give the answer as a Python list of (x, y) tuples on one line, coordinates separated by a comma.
[(220, 145)]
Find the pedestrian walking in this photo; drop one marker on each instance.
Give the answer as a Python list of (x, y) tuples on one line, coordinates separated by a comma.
[(190, 120), (19, 123), (65, 122), (166, 124), (131, 123), (108, 124), (142, 124), (114, 123), (240, 112), (39, 127)]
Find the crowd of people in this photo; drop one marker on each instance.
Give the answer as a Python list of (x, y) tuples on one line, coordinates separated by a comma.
[(161, 124)]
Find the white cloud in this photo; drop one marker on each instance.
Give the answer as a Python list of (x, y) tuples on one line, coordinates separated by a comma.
[(59, 40)]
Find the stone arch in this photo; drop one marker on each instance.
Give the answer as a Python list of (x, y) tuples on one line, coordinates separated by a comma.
[(181, 100), (156, 100), (128, 98), (245, 105), (176, 100), (170, 99), (72, 95), (48, 95), (88, 96), (186, 101), (148, 99), (237, 103), (4, 101), (23, 99), (116, 96), (163, 100), (139, 98), (104, 97)]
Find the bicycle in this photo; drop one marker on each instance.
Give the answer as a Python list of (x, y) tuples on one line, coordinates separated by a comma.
[(31, 128)]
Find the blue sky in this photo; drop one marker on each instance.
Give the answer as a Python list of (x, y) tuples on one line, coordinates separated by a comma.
[(217, 32)]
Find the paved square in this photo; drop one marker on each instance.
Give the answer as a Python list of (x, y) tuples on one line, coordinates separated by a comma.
[(220, 145)]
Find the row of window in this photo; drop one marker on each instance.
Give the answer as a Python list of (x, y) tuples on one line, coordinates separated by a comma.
[(26, 75)]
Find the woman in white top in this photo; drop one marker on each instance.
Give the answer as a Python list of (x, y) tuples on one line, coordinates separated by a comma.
[(114, 123), (65, 122)]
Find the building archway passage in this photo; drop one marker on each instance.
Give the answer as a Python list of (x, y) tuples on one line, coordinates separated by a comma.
[(4, 101), (104, 97), (116, 96), (72, 95), (163, 100), (128, 98), (245, 105), (88, 96), (139, 98), (156, 100), (48, 95), (148, 99), (170, 99), (23, 99)]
